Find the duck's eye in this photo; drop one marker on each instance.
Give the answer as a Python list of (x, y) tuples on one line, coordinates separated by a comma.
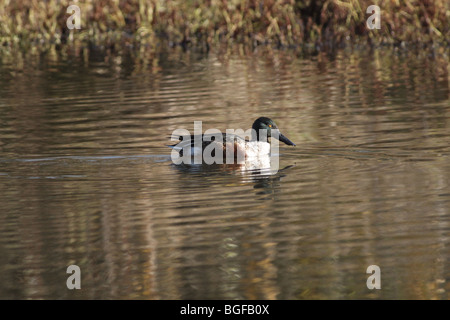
[(270, 126)]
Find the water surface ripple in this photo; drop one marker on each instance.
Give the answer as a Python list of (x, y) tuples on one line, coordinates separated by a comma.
[(86, 178)]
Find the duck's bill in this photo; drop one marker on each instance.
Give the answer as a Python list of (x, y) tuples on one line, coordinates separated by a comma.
[(284, 139)]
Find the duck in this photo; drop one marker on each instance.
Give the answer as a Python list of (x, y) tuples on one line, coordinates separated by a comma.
[(262, 129)]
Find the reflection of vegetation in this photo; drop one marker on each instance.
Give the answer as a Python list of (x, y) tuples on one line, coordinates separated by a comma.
[(371, 189), (278, 22)]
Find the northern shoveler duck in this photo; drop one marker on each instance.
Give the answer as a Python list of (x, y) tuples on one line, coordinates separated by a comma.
[(257, 146)]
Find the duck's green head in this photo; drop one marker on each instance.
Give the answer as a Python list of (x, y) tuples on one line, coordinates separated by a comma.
[(264, 123)]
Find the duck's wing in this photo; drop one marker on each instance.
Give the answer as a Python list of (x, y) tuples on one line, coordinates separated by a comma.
[(205, 139), (190, 140)]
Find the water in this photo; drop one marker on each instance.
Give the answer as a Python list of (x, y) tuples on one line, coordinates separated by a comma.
[(86, 178)]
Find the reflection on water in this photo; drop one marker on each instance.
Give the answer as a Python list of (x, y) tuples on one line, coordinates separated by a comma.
[(86, 177)]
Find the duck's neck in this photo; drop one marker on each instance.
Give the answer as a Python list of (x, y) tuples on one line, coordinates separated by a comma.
[(259, 136)]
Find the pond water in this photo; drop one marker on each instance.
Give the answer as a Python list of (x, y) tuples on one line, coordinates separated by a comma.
[(86, 177)]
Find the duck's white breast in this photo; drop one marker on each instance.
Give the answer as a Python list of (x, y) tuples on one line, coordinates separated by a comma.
[(255, 148)]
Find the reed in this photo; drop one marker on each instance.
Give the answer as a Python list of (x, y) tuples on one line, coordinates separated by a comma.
[(282, 23)]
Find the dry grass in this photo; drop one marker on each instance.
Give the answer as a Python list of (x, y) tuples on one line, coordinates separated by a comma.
[(206, 23)]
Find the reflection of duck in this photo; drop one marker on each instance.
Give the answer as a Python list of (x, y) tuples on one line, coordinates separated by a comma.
[(258, 146), (251, 170), (267, 184), (261, 166)]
